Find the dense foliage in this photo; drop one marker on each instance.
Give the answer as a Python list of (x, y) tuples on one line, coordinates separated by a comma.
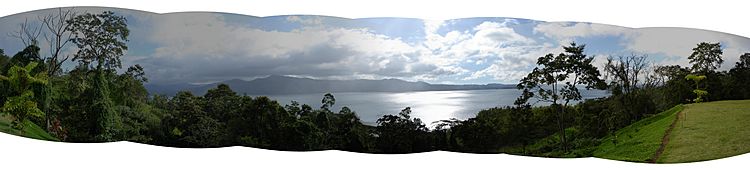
[(94, 103)]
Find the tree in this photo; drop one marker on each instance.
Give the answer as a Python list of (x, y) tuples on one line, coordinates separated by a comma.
[(185, 111), (624, 74), (4, 63), (556, 78), (27, 33), (58, 36), (675, 88), (350, 133), (136, 72), (706, 57), (741, 76), (4, 60), (662, 74), (100, 39), (23, 106), (328, 101), (28, 55), (401, 134), (743, 63), (55, 28), (699, 92), (222, 102), (520, 120), (127, 88), (107, 119)]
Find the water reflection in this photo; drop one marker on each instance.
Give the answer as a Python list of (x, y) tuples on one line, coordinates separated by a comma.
[(429, 106), (434, 106)]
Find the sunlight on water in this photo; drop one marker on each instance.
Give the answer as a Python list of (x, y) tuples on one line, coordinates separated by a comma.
[(433, 106), (429, 106)]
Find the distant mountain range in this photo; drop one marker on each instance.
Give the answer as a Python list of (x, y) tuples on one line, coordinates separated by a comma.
[(292, 85)]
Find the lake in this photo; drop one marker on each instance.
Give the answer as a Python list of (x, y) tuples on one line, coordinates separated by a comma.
[(429, 106)]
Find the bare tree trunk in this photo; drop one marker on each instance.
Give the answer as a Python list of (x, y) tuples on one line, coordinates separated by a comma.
[(57, 36)]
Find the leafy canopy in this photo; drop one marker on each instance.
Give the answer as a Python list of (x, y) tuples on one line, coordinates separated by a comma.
[(23, 105), (100, 38), (556, 76), (706, 57)]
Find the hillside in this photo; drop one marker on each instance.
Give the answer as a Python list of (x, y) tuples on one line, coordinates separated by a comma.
[(639, 141), (30, 130), (703, 131), (709, 131)]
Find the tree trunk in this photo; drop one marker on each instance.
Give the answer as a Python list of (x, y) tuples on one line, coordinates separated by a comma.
[(564, 142)]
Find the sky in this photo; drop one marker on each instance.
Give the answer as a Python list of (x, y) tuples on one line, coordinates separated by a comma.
[(211, 47)]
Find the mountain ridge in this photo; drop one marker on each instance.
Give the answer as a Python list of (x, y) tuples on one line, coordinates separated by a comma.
[(277, 84)]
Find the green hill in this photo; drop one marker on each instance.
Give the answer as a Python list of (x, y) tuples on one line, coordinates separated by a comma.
[(704, 131), (30, 130), (709, 131), (639, 141)]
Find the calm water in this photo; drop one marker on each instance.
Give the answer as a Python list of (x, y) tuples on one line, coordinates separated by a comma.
[(429, 106)]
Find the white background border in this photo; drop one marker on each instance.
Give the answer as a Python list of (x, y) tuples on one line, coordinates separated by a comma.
[(716, 15)]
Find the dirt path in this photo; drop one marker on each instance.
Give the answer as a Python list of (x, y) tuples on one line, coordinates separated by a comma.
[(665, 139)]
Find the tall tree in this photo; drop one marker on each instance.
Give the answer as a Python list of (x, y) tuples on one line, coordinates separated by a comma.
[(54, 28), (100, 39), (556, 78), (706, 57)]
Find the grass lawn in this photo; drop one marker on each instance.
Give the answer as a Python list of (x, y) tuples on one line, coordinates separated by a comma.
[(639, 141), (30, 130), (710, 130)]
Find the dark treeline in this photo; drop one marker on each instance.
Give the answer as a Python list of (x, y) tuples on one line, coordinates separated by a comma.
[(94, 103)]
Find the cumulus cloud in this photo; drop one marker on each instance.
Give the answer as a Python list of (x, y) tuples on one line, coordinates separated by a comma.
[(508, 53)]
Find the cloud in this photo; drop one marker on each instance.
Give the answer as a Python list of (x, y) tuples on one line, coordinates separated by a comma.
[(667, 46), (308, 20), (676, 44), (204, 47), (194, 47), (567, 31), (207, 47), (514, 63), (507, 54)]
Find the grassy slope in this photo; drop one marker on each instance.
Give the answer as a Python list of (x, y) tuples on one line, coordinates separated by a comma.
[(710, 131), (638, 141), (30, 130)]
